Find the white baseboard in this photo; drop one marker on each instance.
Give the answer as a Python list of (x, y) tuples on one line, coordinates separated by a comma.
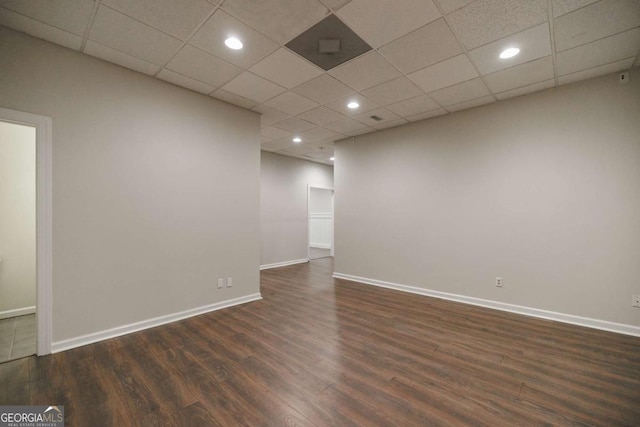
[(604, 325), (284, 263), (17, 312), (320, 245), (70, 343)]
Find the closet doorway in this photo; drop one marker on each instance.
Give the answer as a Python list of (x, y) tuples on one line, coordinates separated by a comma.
[(320, 223)]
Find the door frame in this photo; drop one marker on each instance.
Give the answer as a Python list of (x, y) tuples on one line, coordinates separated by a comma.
[(44, 258), (333, 218)]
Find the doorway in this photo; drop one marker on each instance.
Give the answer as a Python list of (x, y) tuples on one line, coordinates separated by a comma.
[(320, 221), (17, 241), (25, 235)]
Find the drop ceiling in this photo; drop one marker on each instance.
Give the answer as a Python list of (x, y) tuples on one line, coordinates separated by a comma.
[(428, 57)]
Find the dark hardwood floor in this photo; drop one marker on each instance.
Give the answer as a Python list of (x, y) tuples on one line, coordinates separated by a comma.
[(323, 352)]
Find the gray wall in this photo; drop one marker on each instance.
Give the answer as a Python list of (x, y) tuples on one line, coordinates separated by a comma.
[(320, 200), (155, 188), (283, 205), (542, 190)]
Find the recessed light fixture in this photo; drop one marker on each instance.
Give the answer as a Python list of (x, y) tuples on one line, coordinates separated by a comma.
[(509, 53), (353, 105), (332, 158), (297, 139), (233, 43)]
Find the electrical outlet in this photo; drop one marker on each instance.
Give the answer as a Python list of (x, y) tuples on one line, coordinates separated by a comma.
[(635, 301), (499, 282), (229, 282), (624, 77), (220, 283)]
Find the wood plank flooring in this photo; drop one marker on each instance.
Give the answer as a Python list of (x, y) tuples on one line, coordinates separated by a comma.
[(324, 352)]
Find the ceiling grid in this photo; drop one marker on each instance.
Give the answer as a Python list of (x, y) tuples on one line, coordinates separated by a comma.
[(428, 57)]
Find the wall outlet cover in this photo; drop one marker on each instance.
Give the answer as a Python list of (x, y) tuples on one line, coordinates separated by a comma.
[(624, 77)]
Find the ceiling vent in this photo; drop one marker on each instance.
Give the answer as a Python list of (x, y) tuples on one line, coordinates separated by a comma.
[(376, 118), (329, 43)]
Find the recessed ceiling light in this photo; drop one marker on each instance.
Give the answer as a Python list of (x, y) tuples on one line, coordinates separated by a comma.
[(233, 43), (297, 139), (509, 53), (353, 104), (332, 158)]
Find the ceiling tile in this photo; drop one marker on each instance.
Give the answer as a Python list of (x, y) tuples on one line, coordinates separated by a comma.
[(382, 113), (291, 103), (264, 139), (471, 104), (340, 105), (427, 115), (393, 91), (428, 45), (38, 29), (451, 5), (520, 75), (362, 131), (461, 92), (533, 43), (282, 20), (115, 30), (413, 106), (286, 68), (267, 148), (269, 116), (199, 65), (484, 21), (294, 125), (323, 89), (601, 19), (69, 15), (525, 90), (322, 134), (350, 45), (321, 115), (298, 152), (365, 71), (381, 21), (178, 18), (277, 145), (612, 67), (445, 73), (334, 4), (390, 124), (234, 99), (184, 81), (560, 7), (214, 32), (275, 133), (611, 49), (324, 146), (345, 125), (119, 58), (253, 87)]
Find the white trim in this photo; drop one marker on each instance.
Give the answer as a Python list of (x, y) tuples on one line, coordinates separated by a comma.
[(17, 312), (146, 324), (604, 325), (319, 215), (44, 251), (283, 263), (320, 245)]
